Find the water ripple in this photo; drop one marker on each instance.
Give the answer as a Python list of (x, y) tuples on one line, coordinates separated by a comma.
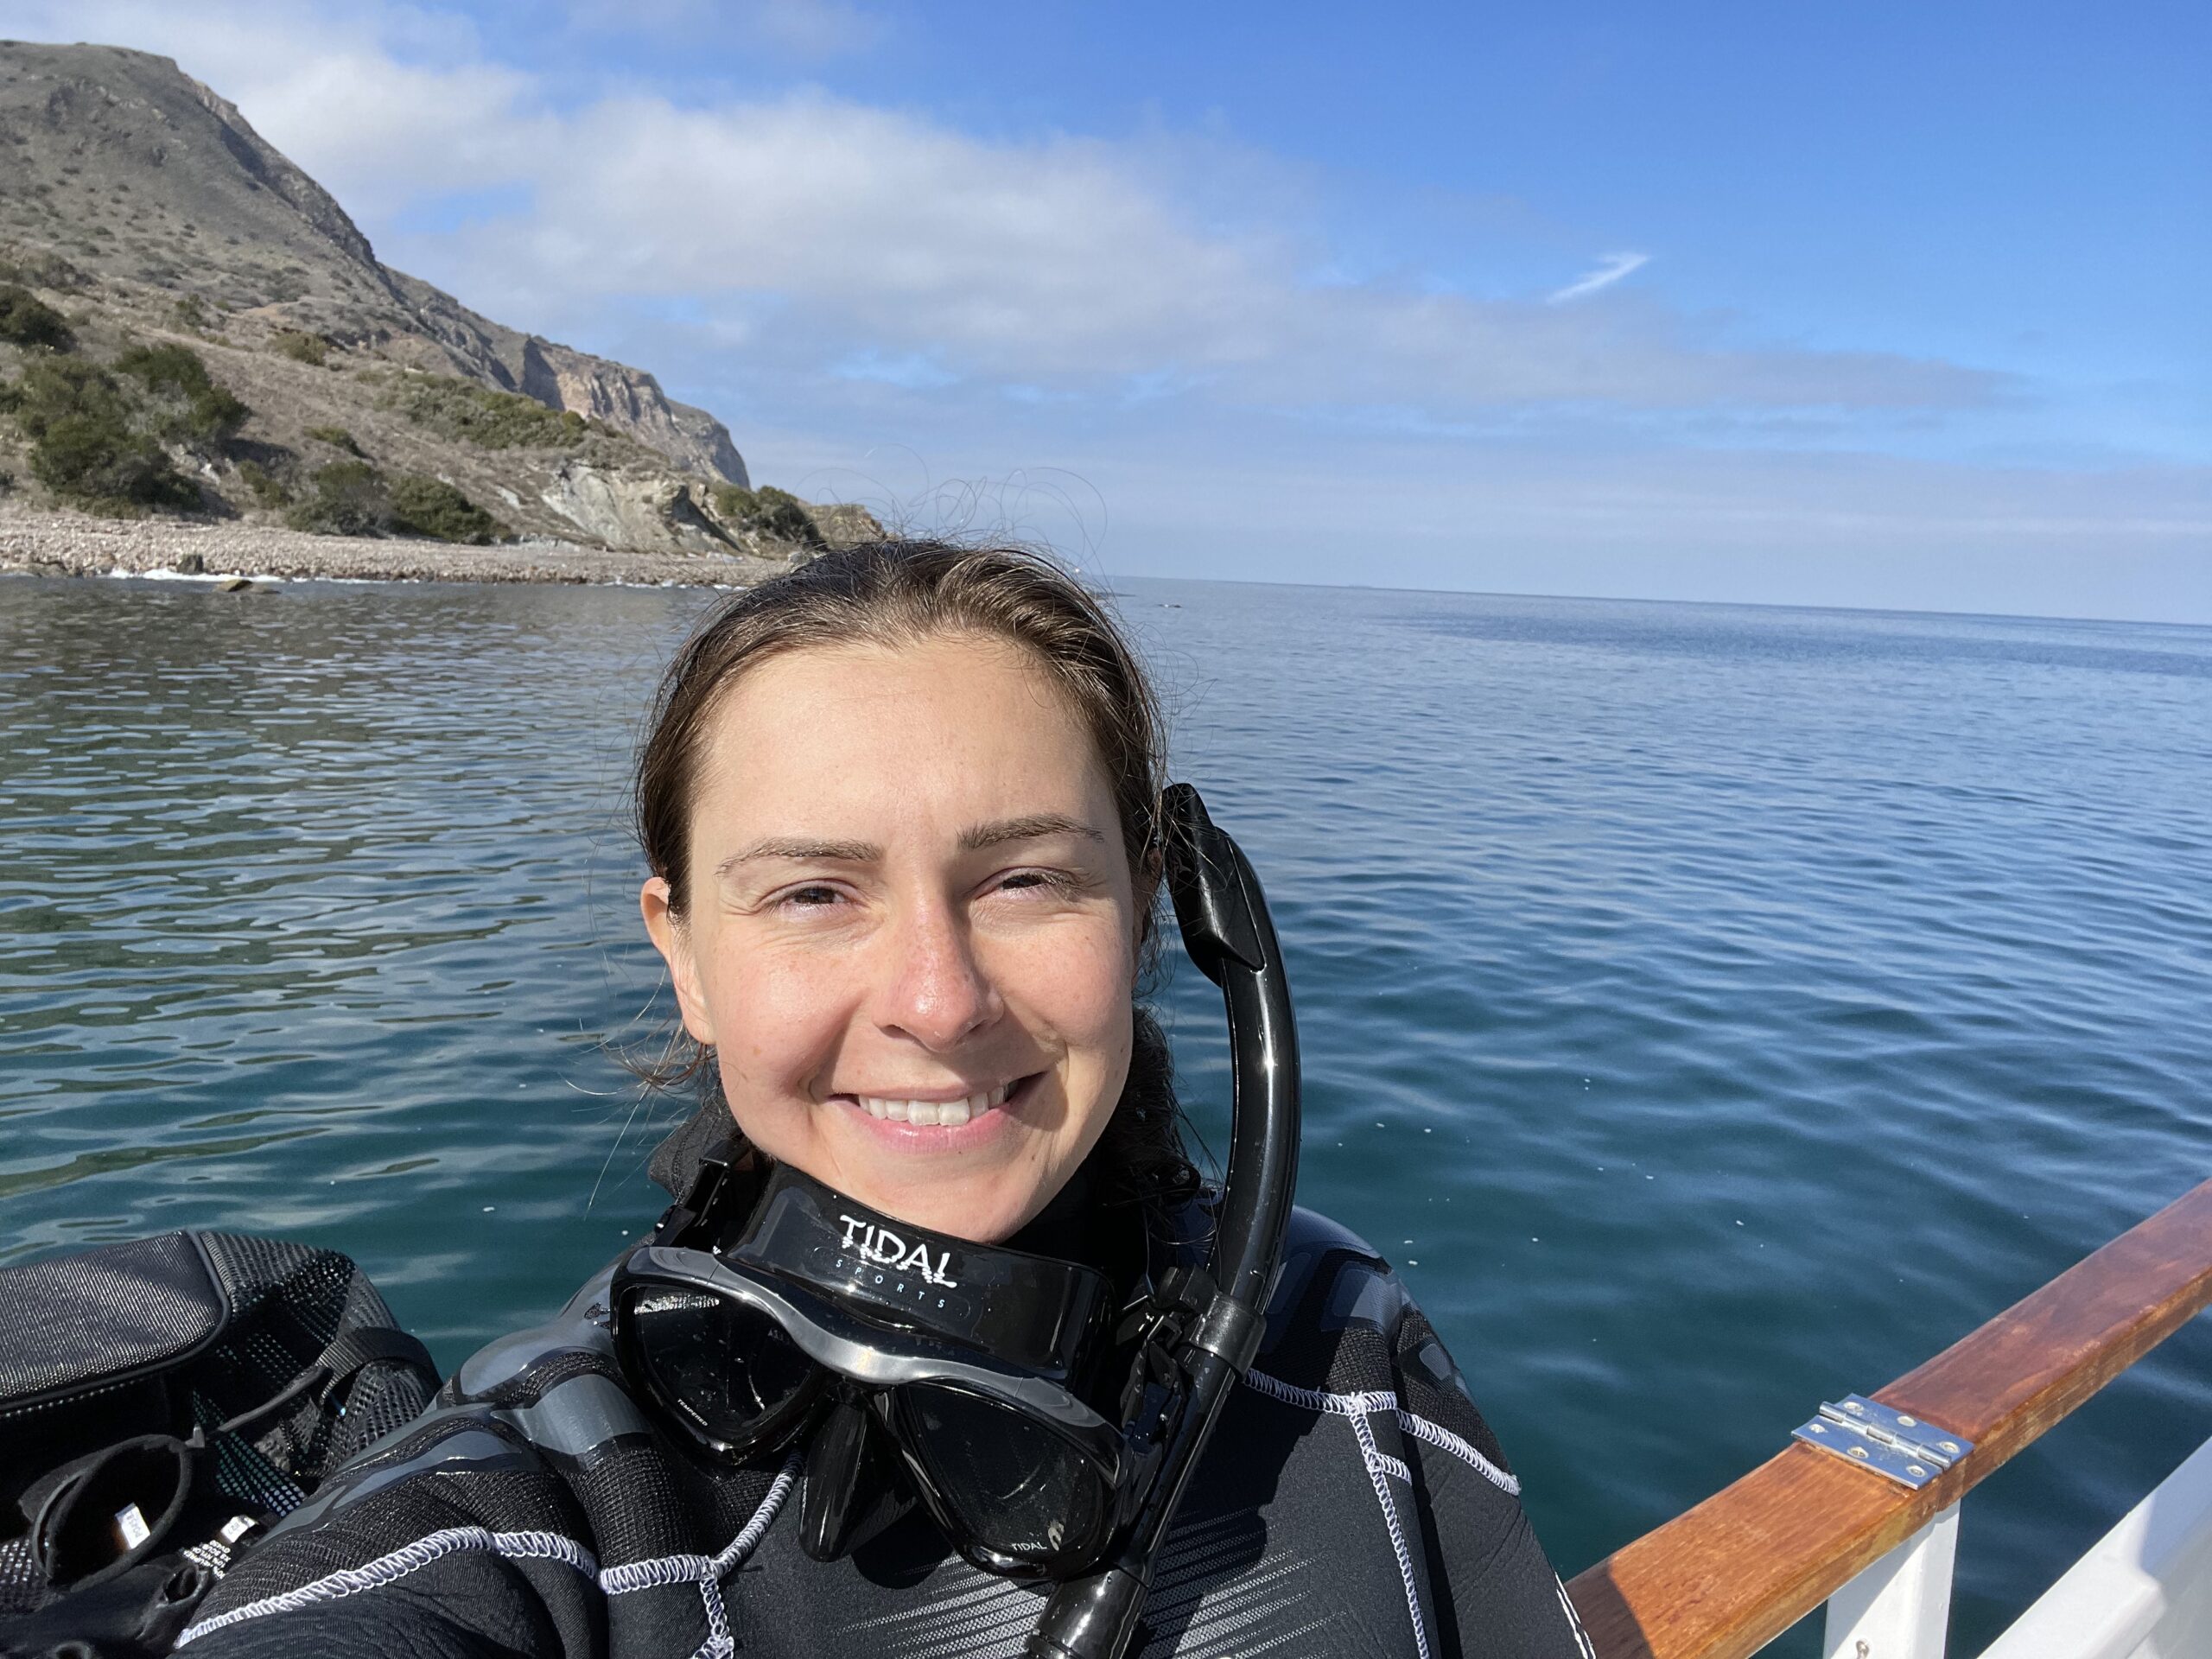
[(1711, 1010)]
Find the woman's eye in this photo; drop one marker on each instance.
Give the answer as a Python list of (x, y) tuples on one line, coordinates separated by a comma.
[(1018, 879)]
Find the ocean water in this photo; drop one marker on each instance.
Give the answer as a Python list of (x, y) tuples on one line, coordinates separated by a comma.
[(1711, 1010)]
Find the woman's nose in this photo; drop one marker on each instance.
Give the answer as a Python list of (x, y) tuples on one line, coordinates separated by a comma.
[(936, 991)]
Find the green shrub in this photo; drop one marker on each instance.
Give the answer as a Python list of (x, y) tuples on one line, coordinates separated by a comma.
[(87, 442), (268, 489), (184, 404), (167, 368), (350, 499), (191, 312), (26, 320), (430, 507), (336, 437), (768, 511), (7, 481), (300, 347), (467, 413), (211, 419)]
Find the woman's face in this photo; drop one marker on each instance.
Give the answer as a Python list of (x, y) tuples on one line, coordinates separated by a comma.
[(913, 933)]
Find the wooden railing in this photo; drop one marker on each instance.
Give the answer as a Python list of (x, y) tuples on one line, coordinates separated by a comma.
[(1723, 1579)]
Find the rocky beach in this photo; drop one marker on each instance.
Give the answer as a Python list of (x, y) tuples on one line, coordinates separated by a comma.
[(78, 545)]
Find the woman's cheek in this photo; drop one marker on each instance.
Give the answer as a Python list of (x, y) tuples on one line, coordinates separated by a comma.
[(1084, 996), (781, 1019), (1093, 990)]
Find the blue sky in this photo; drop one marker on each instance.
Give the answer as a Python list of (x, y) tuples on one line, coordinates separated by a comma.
[(1887, 305)]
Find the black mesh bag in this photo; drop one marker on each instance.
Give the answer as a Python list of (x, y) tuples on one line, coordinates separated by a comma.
[(160, 1400)]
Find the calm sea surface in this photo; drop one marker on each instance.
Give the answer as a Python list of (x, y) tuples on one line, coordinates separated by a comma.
[(1712, 1011)]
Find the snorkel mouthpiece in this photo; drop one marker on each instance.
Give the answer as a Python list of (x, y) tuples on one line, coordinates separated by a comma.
[(1226, 929)]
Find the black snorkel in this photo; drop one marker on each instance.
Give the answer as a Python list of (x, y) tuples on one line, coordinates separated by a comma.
[(1208, 1323)]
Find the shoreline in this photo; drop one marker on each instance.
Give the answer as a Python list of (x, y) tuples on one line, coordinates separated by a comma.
[(69, 544)]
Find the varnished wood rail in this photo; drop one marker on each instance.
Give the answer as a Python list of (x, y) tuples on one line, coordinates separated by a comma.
[(1723, 1579)]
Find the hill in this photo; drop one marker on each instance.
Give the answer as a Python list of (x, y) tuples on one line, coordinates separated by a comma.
[(190, 324)]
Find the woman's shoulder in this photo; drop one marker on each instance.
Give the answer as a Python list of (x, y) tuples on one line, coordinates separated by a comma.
[(1356, 1442), (1332, 1281), (1344, 1330)]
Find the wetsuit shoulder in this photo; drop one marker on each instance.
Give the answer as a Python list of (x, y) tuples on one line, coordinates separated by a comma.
[(1347, 1342), (531, 1510)]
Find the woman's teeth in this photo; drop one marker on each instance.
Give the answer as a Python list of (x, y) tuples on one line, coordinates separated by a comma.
[(940, 1113)]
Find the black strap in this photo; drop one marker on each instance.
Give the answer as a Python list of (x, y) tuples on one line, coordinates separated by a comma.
[(333, 1373), (371, 1345)]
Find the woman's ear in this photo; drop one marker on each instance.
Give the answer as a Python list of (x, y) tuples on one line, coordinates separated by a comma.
[(673, 940)]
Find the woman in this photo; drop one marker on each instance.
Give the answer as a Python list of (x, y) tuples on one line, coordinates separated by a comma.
[(900, 809)]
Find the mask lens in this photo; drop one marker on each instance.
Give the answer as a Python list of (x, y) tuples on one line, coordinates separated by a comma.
[(1022, 1492), (725, 1369)]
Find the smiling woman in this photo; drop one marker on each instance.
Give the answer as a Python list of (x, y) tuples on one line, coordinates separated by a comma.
[(920, 993), (902, 822), (939, 1267)]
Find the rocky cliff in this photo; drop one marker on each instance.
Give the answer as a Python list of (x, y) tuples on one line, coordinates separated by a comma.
[(144, 207)]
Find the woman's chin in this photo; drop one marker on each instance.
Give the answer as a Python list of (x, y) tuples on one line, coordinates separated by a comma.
[(981, 1209), (982, 1200)]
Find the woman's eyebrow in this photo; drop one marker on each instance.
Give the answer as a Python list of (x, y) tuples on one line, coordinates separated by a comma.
[(1034, 826), (851, 852)]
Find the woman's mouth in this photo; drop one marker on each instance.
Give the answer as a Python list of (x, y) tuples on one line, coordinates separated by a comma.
[(937, 1114)]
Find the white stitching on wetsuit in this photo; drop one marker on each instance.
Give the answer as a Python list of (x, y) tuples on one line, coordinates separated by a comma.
[(1574, 1622), (655, 1573), (734, 1552), (385, 1569), (720, 1644), (1342, 1405), (1347, 1405), (1357, 1408), (706, 1570), (1437, 1435), (1372, 1456)]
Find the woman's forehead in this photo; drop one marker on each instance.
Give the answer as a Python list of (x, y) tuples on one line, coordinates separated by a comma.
[(944, 725)]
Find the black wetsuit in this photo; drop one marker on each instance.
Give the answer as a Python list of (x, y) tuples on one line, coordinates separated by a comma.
[(1352, 1501)]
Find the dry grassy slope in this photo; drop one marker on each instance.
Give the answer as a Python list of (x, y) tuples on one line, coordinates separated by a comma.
[(127, 188)]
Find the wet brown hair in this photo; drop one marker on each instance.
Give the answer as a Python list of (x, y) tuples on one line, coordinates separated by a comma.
[(897, 594)]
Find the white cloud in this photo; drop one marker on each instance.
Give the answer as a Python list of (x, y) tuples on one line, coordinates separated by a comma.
[(1610, 268), (1066, 260), (843, 229)]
